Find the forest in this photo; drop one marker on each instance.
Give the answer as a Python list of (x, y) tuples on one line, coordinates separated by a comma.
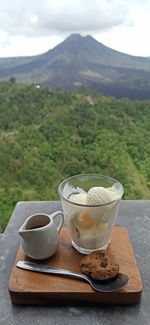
[(47, 136)]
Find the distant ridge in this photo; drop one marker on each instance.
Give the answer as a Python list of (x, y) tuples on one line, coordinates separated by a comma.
[(83, 61)]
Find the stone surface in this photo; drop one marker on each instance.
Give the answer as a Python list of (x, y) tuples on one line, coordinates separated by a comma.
[(134, 215)]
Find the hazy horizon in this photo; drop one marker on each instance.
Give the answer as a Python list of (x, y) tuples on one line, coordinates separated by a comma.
[(32, 55)]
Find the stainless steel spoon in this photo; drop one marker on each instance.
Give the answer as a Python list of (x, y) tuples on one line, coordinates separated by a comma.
[(102, 286)]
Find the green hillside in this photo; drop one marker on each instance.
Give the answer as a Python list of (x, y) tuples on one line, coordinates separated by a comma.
[(46, 136)]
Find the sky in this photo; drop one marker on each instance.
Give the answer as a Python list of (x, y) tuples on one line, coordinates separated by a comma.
[(31, 27)]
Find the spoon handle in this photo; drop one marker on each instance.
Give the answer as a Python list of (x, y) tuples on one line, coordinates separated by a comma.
[(51, 270)]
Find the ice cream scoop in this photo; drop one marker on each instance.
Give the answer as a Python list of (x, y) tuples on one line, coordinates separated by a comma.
[(96, 195), (100, 195), (79, 198)]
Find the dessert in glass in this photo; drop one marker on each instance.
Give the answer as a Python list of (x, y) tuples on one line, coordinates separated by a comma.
[(90, 203)]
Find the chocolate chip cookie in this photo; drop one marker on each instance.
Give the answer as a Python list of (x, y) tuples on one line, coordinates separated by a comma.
[(100, 265)]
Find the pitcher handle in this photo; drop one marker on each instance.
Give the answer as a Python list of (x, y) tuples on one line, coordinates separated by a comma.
[(54, 215)]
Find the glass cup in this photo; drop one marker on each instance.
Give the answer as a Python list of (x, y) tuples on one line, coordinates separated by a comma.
[(87, 216)]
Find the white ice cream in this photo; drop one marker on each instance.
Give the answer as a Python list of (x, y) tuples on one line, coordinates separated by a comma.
[(78, 198), (100, 195), (90, 227), (96, 195)]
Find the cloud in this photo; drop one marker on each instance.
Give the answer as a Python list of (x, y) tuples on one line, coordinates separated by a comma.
[(34, 18), (29, 27)]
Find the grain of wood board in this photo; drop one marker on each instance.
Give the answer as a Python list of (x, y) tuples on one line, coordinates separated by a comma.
[(27, 287)]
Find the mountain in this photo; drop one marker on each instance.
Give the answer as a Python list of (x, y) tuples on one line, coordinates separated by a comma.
[(83, 61)]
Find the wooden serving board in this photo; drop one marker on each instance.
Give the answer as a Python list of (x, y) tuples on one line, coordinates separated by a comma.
[(26, 287)]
